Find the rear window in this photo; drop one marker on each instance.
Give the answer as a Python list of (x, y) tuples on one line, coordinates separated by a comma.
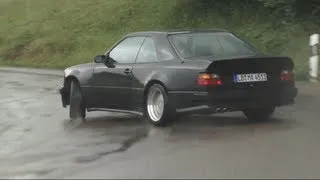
[(209, 44)]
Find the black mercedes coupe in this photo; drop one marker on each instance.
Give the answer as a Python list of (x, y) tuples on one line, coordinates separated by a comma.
[(162, 75)]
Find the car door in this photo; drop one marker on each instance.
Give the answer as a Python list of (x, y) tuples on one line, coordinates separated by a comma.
[(113, 84), (145, 64)]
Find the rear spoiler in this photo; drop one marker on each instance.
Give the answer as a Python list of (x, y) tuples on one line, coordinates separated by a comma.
[(267, 63)]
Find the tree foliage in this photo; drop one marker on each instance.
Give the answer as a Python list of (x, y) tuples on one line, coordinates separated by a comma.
[(294, 7), (298, 9)]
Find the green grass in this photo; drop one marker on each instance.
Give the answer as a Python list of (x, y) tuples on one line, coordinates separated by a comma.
[(61, 33)]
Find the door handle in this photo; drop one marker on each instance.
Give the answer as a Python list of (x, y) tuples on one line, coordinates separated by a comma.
[(127, 71)]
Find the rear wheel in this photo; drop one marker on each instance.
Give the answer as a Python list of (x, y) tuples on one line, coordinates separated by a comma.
[(259, 114), (157, 109), (77, 108)]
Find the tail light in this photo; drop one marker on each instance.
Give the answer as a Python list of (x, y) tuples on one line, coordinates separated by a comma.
[(206, 79), (287, 75)]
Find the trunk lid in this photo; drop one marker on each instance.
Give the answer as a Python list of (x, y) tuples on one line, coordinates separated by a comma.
[(229, 68)]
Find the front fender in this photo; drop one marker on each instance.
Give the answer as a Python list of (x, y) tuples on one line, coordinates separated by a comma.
[(81, 73), (71, 72)]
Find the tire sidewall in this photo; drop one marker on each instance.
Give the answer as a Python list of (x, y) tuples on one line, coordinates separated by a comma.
[(77, 106)]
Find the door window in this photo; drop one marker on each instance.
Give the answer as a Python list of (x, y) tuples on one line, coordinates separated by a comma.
[(126, 51), (147, 52)]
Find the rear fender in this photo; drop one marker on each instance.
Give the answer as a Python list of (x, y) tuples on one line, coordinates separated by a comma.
[(179, 84), (157, 78)]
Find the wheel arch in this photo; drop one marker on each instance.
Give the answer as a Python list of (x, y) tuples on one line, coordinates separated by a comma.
[(149, 84), (69, 79)]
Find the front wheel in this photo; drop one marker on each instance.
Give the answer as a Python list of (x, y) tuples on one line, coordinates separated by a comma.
[(259, 114), (158, 111), (77, 108)]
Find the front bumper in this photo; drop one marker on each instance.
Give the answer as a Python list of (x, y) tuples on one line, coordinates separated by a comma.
[(231, 100)]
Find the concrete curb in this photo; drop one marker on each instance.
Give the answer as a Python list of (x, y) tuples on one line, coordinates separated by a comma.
[(49, 72)]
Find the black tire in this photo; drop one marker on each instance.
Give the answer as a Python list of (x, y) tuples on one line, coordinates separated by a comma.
[(77, 109), (259, 114), (167, 113)]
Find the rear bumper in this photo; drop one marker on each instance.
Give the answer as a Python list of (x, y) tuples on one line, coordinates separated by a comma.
[(230, 100)]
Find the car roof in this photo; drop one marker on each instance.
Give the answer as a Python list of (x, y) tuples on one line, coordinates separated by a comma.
[(176, 31)]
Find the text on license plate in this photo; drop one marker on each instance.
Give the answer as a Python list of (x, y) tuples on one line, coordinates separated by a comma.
[(255, 77)]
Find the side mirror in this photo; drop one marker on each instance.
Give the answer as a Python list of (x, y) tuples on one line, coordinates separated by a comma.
[(100, 59), (105, 60)]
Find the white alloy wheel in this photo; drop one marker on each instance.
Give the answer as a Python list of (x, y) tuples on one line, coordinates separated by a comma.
[(155, 104)]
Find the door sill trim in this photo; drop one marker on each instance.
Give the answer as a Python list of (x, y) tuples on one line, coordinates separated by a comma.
[(116, 111)]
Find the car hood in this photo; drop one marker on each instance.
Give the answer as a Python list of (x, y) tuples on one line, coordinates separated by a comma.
[(80, 66)]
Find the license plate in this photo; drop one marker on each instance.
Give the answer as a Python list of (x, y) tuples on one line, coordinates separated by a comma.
[(255, 77)]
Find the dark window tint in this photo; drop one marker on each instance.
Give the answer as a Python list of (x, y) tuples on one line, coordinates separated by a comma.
[(126, 51), (147, 52), (210, 44)]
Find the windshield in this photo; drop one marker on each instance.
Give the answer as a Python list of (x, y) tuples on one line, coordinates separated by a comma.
[(209, 44)]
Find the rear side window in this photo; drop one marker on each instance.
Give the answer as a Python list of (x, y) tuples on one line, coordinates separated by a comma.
[(206, 45), (147, 52)]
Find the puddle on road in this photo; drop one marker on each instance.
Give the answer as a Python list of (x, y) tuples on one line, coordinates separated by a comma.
[(36, 174), (193, 128), (204, 128), (14, 83), (122, 130), (128, 131), (4, 128), (125, 145), (46, 115), (49, 90), (101, 136)]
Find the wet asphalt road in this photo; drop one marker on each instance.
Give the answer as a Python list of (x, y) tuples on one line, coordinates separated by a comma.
[(37, 140)]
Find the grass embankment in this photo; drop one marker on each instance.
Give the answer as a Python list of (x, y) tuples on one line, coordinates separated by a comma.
[(60, 33)]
